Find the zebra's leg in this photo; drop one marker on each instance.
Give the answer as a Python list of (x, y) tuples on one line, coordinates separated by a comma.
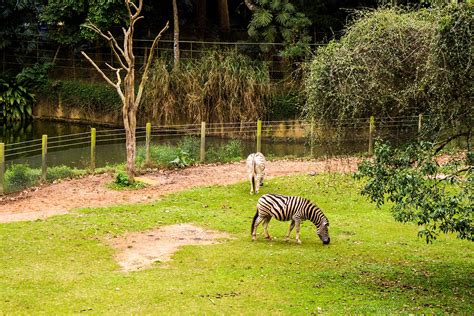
[(265, 228), (257, 182), (297, 223), (257, 222), (292, 225), (252, 183)]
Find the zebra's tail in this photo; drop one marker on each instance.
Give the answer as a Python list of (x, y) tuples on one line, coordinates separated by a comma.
[(253, 222)]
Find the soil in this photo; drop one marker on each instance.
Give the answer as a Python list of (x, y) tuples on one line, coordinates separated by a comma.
[(91, 191), (138, 251)]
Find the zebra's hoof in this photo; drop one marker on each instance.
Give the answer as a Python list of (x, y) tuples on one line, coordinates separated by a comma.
[(268, 238), (299, 242)]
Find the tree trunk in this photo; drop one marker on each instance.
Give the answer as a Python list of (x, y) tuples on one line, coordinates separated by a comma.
[(130, 122), (224, 21), (201, 10), (176, 35)]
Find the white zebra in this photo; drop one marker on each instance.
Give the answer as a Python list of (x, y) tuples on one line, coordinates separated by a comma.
[(256, 171)]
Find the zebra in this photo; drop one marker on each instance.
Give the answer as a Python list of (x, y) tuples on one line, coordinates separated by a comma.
[(256, 171), (285, 208)]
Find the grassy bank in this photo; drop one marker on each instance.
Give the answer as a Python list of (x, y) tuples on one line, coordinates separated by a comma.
[(373, 265)]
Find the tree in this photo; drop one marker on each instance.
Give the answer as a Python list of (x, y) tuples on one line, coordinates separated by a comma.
[(437, 196), (278, 20), (176, 34), (126, 91)]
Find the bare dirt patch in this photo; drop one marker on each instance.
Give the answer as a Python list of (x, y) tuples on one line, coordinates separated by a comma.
[(138, 251), (91, 191)]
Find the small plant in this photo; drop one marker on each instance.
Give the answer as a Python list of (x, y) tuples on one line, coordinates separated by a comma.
[(182, 161), (122, 182), (121, 179), (191, 145), (19, 177)]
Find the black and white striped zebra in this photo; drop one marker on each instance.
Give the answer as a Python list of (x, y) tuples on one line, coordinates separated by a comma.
[(256, 171), (285, 208)]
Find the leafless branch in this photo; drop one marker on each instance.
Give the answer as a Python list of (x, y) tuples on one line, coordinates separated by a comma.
[(119, 79), (99, 70), (443, 143), (148, 63)]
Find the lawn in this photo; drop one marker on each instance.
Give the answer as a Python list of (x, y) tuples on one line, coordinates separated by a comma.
[(373, 264)]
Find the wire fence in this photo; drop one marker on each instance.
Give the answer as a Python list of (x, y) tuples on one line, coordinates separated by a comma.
[(98, 148), (70, 64), (395, 128)]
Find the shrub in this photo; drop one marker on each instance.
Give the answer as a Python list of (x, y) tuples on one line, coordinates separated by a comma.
[(88, 96), (20, 176), (392, 63), (15, 101), (63, 172), (232, 151), (190, 145), (160, 156)]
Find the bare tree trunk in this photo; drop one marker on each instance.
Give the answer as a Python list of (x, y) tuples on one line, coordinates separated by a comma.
[(126, 60), (176, 35), (224, 21), (201, 8)]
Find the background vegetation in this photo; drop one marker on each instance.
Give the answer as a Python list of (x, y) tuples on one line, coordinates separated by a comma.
[(393, 62), (217, 87)]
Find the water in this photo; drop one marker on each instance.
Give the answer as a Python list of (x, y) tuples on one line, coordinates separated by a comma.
[(113, 151)]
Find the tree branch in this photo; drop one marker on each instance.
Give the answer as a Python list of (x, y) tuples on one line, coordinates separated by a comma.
[(148, 63), (99, 70), (443, 144), (250, 5), (111, 40), (115, 85)]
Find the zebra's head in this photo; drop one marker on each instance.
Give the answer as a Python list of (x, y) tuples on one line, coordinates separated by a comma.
[(323, 232)]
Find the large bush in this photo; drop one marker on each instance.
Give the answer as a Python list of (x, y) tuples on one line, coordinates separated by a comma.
[(392, 62), (217, 87)]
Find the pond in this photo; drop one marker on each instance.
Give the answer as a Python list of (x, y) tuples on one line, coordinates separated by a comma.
[(112, 150)]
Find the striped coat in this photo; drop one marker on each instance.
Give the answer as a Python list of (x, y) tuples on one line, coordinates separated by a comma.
[(286, 208)]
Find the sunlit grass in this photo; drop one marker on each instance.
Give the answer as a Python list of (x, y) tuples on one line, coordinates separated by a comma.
[(373, 265)]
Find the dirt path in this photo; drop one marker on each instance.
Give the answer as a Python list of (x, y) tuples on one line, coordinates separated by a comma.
[(91, 191), (139, 250)]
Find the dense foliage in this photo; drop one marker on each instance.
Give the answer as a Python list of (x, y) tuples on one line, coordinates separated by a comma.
[(223, 87), (279, 21), (437, 198), (15, 101), (392, 62)]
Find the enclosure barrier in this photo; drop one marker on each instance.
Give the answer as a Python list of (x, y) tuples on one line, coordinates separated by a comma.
[(357, 130)]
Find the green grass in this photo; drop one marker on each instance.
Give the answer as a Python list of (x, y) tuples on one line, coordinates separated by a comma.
[(373, 265)]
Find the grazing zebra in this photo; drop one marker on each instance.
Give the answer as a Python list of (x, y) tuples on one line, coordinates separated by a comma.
[(285, 208), (256, 171)]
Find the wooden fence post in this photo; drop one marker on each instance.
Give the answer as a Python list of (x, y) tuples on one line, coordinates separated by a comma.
[(2, 168), (259, 136), (147, 143), (44, 153), (371, 135), (203, 142), (420, 118), (311, 134), (93, 142)]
